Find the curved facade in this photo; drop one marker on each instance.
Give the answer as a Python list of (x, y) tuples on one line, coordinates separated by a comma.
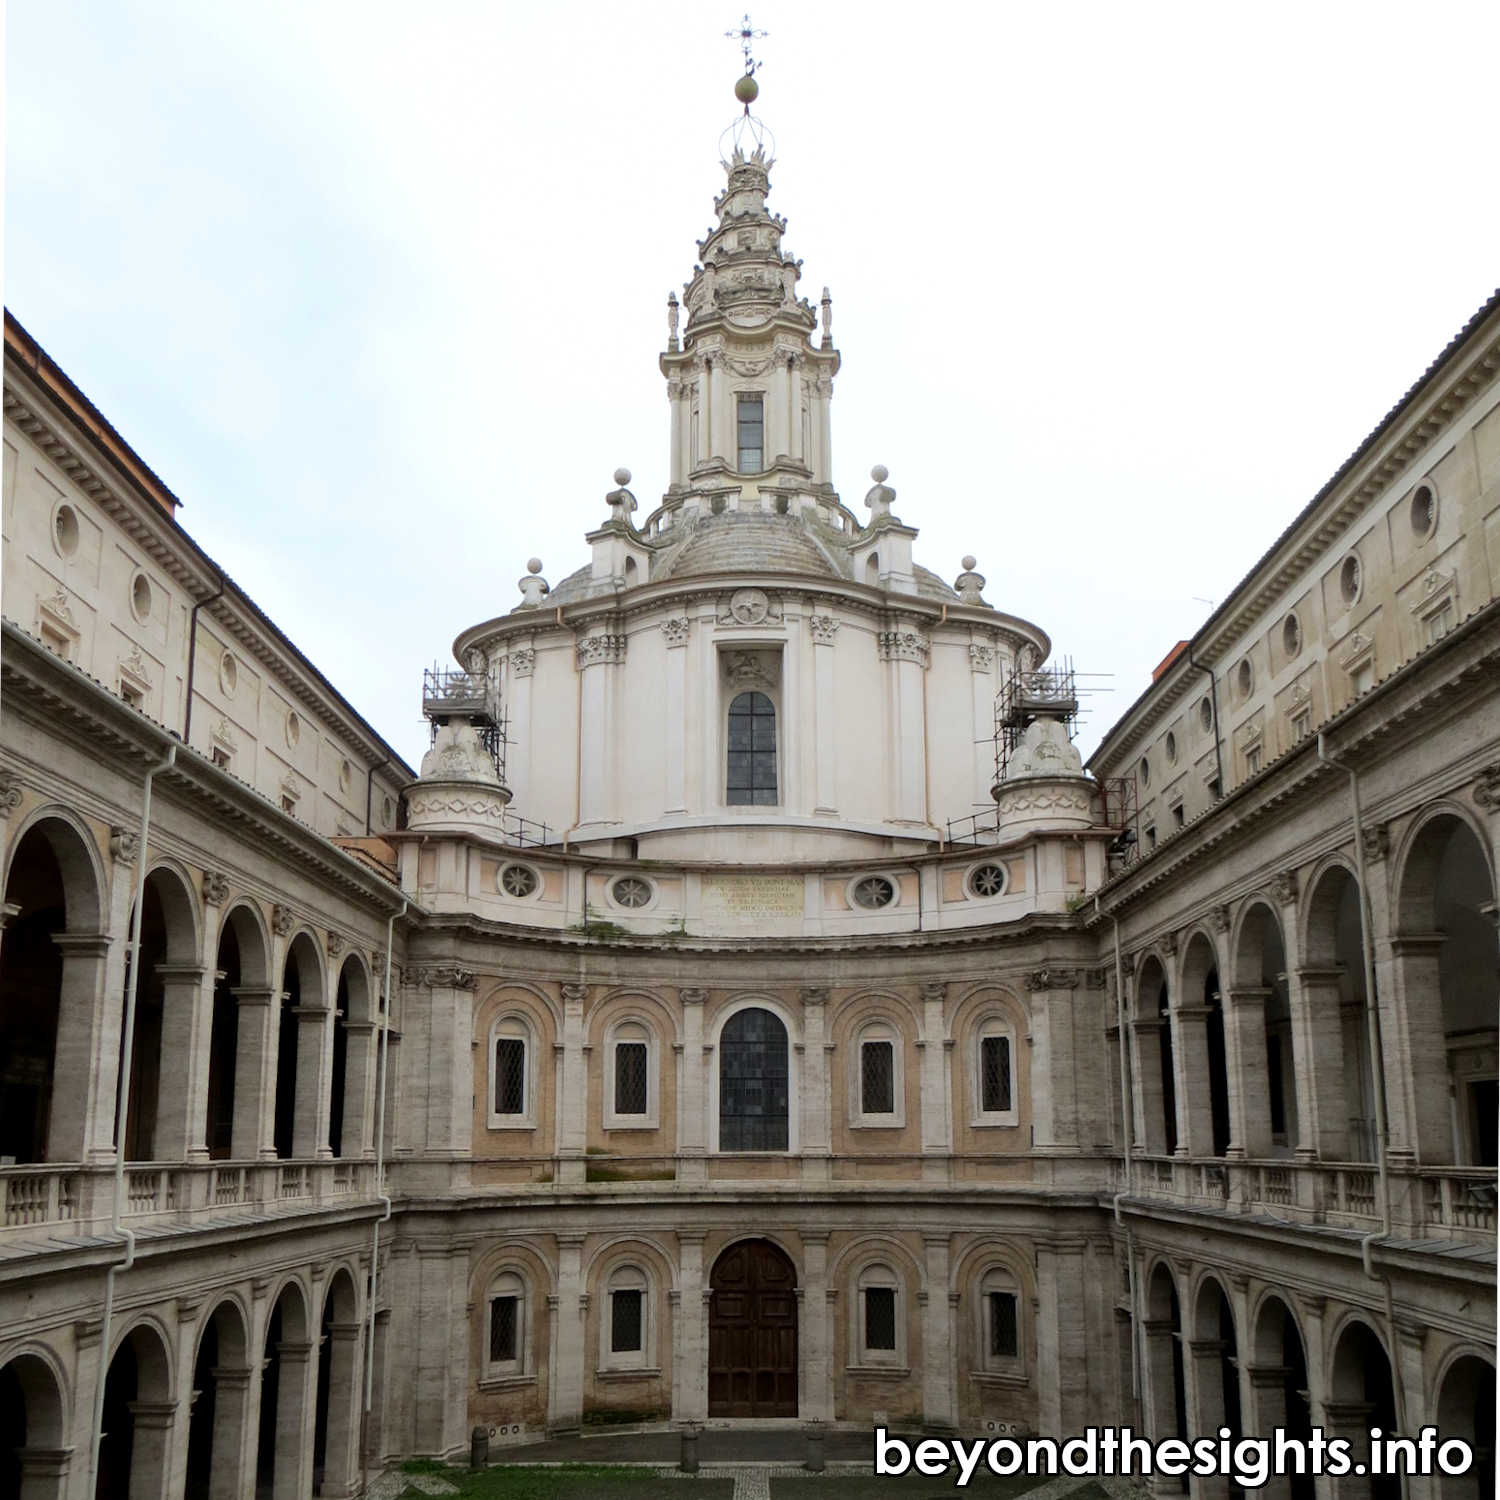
[(782, 1024)]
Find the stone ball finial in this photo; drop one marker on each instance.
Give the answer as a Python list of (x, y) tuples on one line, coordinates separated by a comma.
[(969, 584), (622, 476), (880, 473), (881, 496), (534, 588), (969, 564), (746, 89), (534, 565)]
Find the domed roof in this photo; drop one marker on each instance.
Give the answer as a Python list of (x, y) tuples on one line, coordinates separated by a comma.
[(747, 542)]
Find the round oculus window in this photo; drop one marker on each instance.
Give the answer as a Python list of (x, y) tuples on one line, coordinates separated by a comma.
[(65, 530), (1424, 510), (1205, 713), (229, 674), (873, 891), (987, 880), (519, 881), (1350, 580), (346, 776), (1145, 771), (1171, 747), (387, 810), (293, 727), (1291, 635), (1245, 677), (140, 596), (631, 892)]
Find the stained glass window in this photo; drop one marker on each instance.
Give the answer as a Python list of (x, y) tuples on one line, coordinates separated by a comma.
[(753, 1084), (751, 781)]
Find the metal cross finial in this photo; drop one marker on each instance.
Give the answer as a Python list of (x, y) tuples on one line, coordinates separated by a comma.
[(747, 33)]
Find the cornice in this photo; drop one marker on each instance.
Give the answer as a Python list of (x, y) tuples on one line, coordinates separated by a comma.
[(54, 694), (163, 540), (1455, 380)]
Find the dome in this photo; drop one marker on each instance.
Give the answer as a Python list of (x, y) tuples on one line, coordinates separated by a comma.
[(748, 542)]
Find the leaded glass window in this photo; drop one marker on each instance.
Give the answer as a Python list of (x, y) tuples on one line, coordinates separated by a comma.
[(752, 434), (504, 1321), (754, 1088), (880, 1317), (877, 1078), (994, 1075), (510, 1076), (630, 1078), (625, 1320), (751, 781)]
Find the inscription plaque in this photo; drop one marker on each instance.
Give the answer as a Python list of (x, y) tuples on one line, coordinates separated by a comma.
[(748, 899)]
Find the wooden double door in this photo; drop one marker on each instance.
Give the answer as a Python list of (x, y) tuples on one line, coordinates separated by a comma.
[(752, 1333)]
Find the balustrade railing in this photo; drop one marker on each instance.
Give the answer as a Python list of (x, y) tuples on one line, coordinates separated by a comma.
[(82, 1197)]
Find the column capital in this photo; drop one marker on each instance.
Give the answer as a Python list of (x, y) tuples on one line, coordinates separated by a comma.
[(814, 994), (1249, 995), (180, 973), (575, 994), (935, 990), (1319, 975), (1419, 943), (87, 944), (310, 1012), (692, 996), (256, 995)]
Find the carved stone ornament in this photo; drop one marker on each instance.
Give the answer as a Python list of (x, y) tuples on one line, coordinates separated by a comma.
[(595, 650), (136, 667), (1167, 942), (981, 658), (1053, 979), (815, 994), (56, 605), (1376, 841), (223, 733), (825, 629), (10, 793), (289, 787), (747, 669), (935, 989), (575, 994), (282, 919), (969, 585), (749, 368), (1487, 789), (1284, 888), (215, 888), (1218, 919), (124, 845), (675, 631), (1096, 979), (522, 661), (1356, 652), (442, 977), (903, 645), (692, 996), (749, 607), (476, 663), (335, 943)]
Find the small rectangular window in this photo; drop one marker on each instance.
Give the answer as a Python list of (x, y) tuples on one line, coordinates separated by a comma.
[(221, 757), (877, 1078), (630, 1078), (132, 695), (880, 1317), (1301, 725), (289, 806), (1252, 760), (625, 1321), (1003, 1341), (503, 1329), (752, 431), (1178, 816), (994, 1062), (510, 1076)]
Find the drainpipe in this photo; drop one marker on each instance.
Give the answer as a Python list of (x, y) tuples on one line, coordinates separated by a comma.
[(192, 662), (380, 1192), (1137, 1358), (1213, 694), (122, 1108), (1377, 1074)]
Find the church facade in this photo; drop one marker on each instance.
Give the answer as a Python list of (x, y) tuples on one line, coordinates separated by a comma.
[(753, 1010)]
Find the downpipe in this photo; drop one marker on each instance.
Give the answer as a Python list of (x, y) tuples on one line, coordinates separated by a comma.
[(1377, 1076), (122, 1111)]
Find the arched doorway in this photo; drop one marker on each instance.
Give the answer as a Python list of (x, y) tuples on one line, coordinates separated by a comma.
[(280, 1449), (1216, 1371), (33, 1462), (752, 1333), (299, 1052), (1166, 1384), (216, 1422), (337, 1403), (137, 1422), (754, 1083), (1362, 1396), (49, 983), (1155, 1061), (1466, 1410), (1205, 1069), (1266, 1104), (1450, 984)]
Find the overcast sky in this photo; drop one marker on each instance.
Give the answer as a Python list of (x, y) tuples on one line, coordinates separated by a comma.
[(378, 289)]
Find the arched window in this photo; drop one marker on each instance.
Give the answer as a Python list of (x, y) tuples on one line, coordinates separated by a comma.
[(505, 1327), (625, 1329), (512, 1084), (879, 1093), (754, 1088), (994, 1065), (879, 1337), (999, 1322), (630, 1092), (751, 779)]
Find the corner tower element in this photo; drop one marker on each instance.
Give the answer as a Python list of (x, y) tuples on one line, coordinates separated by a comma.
[(748, 385)]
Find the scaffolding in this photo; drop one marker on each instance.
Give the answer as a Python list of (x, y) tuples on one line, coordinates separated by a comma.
[(1037, 693), (450, 693)]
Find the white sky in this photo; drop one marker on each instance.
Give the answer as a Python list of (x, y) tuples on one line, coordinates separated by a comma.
[(379, 289)]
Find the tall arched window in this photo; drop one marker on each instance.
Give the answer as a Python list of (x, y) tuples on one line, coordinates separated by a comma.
[(630, 1092), (505, 1331), (1000, 1347), (994, 1066), (512, 1085), (879, 1331), (754, 1088), (751, 780), (626, 1336)]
